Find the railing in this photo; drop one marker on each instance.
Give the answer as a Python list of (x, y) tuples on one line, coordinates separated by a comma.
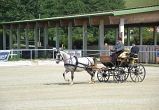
[(144, 56), (30, 53)]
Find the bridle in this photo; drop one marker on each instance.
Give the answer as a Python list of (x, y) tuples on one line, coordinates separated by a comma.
[(59, 55)]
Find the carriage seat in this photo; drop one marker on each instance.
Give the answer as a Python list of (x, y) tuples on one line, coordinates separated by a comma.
[(106, 61), (123, 55), (127, 56)]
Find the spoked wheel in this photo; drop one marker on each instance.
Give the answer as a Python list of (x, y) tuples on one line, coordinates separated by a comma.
[(120, 75), (126, 73), (137, 73), (103, 75)]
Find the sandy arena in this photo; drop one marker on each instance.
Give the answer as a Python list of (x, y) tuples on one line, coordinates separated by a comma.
[(37, 86)]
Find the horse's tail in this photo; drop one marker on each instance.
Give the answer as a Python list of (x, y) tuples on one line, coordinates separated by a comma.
[(95, 61)]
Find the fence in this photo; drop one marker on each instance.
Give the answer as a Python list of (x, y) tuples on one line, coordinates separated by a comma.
[(30, 53), (146, 54)]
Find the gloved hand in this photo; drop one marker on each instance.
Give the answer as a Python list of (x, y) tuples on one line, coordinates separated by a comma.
[(115, 50), (111, 50)]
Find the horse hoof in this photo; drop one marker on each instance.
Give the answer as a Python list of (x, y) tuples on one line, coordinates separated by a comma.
[(67, 80), (71, 84), (91, 82)]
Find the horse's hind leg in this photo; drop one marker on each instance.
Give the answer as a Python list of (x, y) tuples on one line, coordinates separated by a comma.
[(64, 75), (93, 75)]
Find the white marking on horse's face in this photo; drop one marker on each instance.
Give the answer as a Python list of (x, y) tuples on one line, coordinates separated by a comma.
[(58, 58)]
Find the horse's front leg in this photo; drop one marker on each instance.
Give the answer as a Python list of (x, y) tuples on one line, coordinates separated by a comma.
[(92, 74), (66, 71), (72, 77)]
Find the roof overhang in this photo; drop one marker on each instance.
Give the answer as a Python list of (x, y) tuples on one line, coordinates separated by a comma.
[(135, 10), (143, 15)]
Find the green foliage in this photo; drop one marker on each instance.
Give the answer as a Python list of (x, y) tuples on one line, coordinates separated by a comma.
[(110, 36), (138, 3), (77, 40), (15, 59), (13, 10), (101, 5), (1, 39), (147, 36), (92, 41)]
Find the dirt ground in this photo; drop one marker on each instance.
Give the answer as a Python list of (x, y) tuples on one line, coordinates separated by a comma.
[(42, 87)]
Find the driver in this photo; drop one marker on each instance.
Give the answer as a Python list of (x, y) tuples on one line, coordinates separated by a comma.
[(118, 49)]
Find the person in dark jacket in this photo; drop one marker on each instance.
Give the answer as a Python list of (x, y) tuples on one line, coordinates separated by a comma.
[(134, 50), (118, 49)]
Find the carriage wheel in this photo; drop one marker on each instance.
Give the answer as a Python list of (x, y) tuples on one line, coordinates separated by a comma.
[(120, 75), (103, 76), (137, 73), (126, 72)]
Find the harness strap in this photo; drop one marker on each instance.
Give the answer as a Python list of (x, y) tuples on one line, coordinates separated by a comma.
[(76, 65), (73, 64), (90, 62)]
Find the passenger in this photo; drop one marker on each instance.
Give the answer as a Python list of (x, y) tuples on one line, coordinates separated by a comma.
[(118, 49), (134, 50)]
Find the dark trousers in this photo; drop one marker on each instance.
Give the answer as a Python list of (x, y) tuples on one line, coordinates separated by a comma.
[(114, 56)]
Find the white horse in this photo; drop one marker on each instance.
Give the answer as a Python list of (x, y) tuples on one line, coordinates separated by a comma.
[(74, 64)]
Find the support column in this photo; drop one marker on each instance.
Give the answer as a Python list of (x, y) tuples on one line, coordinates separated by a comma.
[(155, 35), (57, 35), (70, 36), (46, 46), (121, 29), (101, 34), (116, 34), (128, 36), (140, 30), (18, 37), (36, 39), (84, 38), (11, 37), (18, 40), (26, 37), (4, 37)]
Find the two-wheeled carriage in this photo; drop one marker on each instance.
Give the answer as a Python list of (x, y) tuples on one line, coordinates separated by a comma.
[(120, 70)]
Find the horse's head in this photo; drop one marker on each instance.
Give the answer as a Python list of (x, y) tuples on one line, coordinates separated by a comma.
[(58, 56)]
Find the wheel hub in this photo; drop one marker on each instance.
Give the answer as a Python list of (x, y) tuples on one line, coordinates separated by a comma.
[(104, 75)]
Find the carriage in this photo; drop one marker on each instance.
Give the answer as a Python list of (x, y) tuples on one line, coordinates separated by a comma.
[(120, 71), (123, 68)]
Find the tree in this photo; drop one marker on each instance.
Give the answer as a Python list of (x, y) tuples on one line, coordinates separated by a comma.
[(102, 5), (14, 10)]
